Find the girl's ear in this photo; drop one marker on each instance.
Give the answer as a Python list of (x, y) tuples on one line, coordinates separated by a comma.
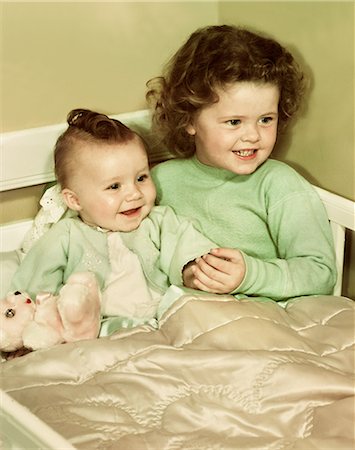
[(71, 199), (190, 130)]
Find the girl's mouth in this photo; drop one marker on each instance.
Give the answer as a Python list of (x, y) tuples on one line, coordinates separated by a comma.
[(245, 154)]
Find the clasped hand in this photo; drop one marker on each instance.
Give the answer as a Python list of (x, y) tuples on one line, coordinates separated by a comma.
[(221, 271)]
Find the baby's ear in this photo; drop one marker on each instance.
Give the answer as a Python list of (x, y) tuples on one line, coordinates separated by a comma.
[(71, 199)]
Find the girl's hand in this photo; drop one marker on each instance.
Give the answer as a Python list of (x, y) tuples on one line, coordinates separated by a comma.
[(221, 271)]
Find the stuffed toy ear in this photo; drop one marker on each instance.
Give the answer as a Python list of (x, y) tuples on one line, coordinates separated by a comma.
[(71, 199)]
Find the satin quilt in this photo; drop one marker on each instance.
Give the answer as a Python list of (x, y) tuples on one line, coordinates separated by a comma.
[(218, 374)]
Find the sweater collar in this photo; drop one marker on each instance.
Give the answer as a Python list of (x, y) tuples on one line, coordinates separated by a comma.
[(213, 172)]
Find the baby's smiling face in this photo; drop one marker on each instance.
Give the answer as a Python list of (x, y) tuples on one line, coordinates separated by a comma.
[(112, 187)]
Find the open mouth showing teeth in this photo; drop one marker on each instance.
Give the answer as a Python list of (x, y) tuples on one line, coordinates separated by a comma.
[(244, 152)]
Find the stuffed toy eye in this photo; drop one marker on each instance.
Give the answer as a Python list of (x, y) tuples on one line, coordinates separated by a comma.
[(10, 313)]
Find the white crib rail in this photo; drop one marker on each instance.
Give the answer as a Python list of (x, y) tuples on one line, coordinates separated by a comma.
[(27, 155), (21, 429), (341, 214)]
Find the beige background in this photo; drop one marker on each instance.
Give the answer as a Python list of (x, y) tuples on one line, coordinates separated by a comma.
[(57, 56)]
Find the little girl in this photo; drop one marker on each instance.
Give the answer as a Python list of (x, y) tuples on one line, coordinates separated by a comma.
[(136, 250), (219, 106)]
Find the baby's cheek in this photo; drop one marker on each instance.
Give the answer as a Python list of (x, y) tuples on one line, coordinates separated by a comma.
[(108, 205)]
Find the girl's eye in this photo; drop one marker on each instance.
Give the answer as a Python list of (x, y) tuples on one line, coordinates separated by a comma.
[(266, 120), (114, 186), (234, 122)]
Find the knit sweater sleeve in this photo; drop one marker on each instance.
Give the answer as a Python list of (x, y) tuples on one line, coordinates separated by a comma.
[(305, 264), (179, 244), (43, 267)]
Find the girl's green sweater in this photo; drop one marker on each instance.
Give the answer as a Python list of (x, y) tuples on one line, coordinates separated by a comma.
[(274, 216)]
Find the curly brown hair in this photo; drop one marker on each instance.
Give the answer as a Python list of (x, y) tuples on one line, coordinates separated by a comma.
[(85, 126), (212, 57)]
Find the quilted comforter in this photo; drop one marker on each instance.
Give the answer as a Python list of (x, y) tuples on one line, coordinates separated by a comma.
[(217, 374)]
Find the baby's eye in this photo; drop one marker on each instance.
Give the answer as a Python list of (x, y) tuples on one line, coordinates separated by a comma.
[(142, 178), (233, 122), (114, 186)]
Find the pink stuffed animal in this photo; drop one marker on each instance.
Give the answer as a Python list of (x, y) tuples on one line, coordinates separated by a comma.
[(73, 315)]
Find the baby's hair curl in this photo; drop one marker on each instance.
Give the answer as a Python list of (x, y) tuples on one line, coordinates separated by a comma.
[(85, 127), (212, 58), (98, 126)]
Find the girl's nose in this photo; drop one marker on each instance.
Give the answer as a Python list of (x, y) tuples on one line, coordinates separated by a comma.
[(250, 133)]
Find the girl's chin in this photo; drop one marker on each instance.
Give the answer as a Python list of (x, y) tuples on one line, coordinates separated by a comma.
[(244, 170), (247, 167)]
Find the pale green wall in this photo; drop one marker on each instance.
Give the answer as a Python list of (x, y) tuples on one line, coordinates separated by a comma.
[(57, 56), (99, 55)]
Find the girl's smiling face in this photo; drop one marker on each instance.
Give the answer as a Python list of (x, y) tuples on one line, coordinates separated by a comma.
[(237, 133)]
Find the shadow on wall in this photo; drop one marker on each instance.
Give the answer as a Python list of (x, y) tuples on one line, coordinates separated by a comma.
[(349, 269), (284, 139), (284, 142)]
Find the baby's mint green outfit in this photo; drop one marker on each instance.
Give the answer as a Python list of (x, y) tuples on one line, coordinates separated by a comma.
[(163, 243), (274, 216)]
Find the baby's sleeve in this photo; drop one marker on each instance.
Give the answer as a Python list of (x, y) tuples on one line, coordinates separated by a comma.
[(43, 267)]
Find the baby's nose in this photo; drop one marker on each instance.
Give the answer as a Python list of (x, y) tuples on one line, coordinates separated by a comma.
[(133, 193)]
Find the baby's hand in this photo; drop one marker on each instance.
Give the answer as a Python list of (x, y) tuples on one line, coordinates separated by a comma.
[(188, 276), (221, 271)]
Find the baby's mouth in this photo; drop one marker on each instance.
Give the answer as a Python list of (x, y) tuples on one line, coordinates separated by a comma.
[(131, 212)]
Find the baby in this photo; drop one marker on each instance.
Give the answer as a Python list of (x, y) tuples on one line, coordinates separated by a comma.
[(136, 250)]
